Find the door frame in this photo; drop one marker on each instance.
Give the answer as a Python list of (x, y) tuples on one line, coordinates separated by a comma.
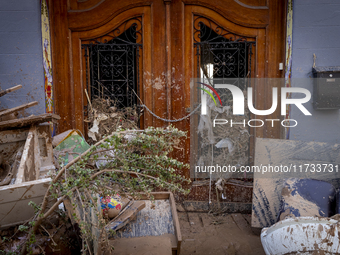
[(167, 52)]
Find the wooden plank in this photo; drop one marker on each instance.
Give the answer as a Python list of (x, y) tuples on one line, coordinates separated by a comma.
[(36, 153), (128, 215), (176, 222), (11, 136), (29, 120), (6, 91), (28, 162), (12, 140), (18, 108), (156, 195), (10, 193), (161, 195), (25, 171), (268, 185), (274, 54)]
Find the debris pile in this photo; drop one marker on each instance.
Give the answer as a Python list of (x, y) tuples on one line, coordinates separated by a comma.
[(105, 118), (26, 158), (88, 179), (23, 140)]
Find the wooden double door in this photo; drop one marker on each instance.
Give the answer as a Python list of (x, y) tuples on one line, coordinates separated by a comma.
[(161, 44)]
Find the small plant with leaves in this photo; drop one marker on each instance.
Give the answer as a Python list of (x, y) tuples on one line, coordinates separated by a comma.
[(133, 162)]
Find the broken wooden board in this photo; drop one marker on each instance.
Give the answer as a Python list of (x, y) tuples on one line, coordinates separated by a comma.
[(37, 156), (31, 154), (17, 108), (22, 122), (156, 220), (28, 170), (128, 215), (6, 91), (292, 154), (12, 143), (148, 245)]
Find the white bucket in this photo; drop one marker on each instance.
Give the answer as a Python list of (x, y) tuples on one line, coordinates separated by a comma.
[(302, 235)]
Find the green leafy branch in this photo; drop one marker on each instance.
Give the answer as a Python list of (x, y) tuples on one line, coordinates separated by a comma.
[(136, 161)]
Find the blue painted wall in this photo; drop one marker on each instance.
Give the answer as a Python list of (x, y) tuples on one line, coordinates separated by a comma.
[(21, 54), (316, 29)]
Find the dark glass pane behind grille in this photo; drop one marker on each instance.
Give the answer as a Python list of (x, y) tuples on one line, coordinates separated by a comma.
[(222, 57), (114, 68)]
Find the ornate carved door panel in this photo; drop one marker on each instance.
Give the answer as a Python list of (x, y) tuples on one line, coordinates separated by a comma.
[(167, 52)]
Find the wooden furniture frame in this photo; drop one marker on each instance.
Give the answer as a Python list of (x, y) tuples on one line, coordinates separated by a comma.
[(31, 182)]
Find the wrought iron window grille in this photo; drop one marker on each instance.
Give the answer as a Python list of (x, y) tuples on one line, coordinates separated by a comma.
[(229, 54), (112, 63)]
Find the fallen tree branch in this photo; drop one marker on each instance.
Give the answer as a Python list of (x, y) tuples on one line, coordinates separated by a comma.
[(65, 192)]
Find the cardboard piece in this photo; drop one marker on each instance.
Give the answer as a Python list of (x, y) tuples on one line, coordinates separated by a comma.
[(128, 215)]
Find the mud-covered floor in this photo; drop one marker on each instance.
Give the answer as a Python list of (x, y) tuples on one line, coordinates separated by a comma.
[(231, 234), (202, 233)]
